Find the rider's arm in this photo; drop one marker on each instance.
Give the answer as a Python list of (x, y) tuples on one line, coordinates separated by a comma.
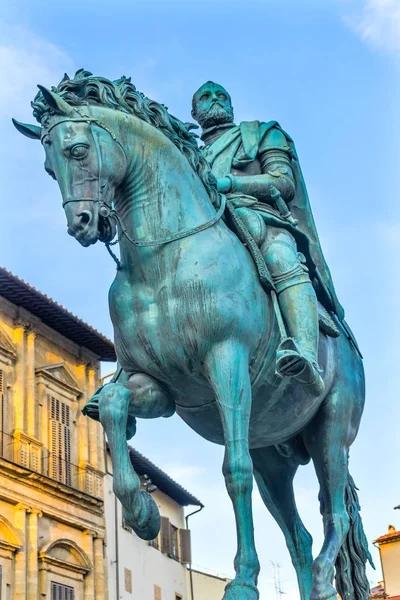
[(276, 172)]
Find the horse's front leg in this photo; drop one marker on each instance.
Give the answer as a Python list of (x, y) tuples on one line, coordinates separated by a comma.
[(143, 397), (227, 368)]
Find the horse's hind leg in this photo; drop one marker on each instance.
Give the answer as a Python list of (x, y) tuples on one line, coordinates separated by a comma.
[(227, 368), (141, 396), (328, 438), (274, 475)]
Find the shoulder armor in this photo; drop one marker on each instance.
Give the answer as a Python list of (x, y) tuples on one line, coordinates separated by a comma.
[(274, 139)]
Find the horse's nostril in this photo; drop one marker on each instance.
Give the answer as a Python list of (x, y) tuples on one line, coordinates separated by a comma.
[(85, 217)]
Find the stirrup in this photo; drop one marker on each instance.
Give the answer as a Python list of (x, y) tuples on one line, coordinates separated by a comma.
[(290, 362)]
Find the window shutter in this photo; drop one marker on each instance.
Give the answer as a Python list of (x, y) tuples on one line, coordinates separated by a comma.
[(157, 592), (23, 453), (186, 546), (89, 482), (128, 580), (61, 592), (165, 535), (67, 455), (98, 486), (34, 458), (60, 444)]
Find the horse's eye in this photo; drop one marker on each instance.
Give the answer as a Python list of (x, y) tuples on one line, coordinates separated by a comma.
[(79, 151)]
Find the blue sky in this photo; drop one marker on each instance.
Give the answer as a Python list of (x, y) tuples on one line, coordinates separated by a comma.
[(327, 70)]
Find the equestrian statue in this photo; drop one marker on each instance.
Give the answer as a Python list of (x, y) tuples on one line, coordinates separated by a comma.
[(223, 308)]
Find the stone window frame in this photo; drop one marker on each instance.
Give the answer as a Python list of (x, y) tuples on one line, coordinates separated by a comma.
[(67, 392)]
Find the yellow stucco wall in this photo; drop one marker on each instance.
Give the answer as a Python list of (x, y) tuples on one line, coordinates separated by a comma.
[(208, 587), (390, 557), (51, 521)]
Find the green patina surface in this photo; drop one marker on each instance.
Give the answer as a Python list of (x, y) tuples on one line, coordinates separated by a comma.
[(223, 308)]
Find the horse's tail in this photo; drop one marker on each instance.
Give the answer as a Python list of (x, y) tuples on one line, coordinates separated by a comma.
[(351, 578)]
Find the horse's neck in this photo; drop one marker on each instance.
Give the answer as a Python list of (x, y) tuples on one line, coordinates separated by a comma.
[(161, 194)]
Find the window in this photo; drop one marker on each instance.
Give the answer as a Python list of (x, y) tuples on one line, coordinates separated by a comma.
[(157, 592), (60, 442), (174, 543), (61, 592), (128, 580), (171, 538)]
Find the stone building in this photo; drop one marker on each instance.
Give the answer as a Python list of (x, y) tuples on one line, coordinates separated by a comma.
[(139, 570), (52, 461), (389, 550)]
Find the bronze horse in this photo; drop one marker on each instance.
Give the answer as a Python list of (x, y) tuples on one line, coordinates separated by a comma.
[(196, 333)]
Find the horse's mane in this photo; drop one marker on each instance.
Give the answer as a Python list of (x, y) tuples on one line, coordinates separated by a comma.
[(122, 95)]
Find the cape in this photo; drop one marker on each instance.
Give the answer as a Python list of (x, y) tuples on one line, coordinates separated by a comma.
[(239, 146)]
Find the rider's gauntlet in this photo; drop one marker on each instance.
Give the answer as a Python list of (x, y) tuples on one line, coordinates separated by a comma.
[(276, 174)]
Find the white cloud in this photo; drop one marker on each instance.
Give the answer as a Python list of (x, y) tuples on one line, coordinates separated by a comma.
[(26, 60), (378, 23)]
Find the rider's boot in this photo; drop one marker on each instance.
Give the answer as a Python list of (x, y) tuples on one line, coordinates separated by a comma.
[(297, 355)]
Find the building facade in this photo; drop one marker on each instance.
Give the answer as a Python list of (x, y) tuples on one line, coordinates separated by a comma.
[(389, 550), (52, 461), (208, 586), (139, 570)]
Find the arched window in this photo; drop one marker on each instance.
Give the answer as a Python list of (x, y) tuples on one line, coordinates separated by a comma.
[(63, 566), (10, 542)]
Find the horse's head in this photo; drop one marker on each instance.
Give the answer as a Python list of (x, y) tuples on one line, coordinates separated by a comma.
[(86, 159)]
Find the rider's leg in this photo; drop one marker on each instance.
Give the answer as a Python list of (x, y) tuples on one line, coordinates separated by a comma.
[(297, 356), (298, 303)]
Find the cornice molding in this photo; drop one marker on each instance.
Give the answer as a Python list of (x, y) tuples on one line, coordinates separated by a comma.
[(63, 564), (52, 488), (52, 373), (83, 565)]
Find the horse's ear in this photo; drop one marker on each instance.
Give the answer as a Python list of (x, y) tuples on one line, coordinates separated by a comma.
[(55, 102), (31, 131)]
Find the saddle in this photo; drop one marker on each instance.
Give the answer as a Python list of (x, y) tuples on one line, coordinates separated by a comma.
[(327, 324)]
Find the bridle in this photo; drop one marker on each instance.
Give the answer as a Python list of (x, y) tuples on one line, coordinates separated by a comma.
[(107, 211)]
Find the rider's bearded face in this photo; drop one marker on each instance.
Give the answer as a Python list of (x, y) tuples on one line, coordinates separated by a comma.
[(212, 106)]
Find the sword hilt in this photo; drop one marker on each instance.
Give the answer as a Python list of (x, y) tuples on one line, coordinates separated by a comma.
[(282, 206)]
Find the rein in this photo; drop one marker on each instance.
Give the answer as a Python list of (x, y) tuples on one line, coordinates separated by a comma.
[(107, 211)]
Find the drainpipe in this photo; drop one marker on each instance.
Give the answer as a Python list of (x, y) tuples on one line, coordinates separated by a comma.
[(190, 565), (116, 548)]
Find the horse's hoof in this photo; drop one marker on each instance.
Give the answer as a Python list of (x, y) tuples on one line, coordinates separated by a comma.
[(240, 590), (323, 592), (148, 527), (91, 408)]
